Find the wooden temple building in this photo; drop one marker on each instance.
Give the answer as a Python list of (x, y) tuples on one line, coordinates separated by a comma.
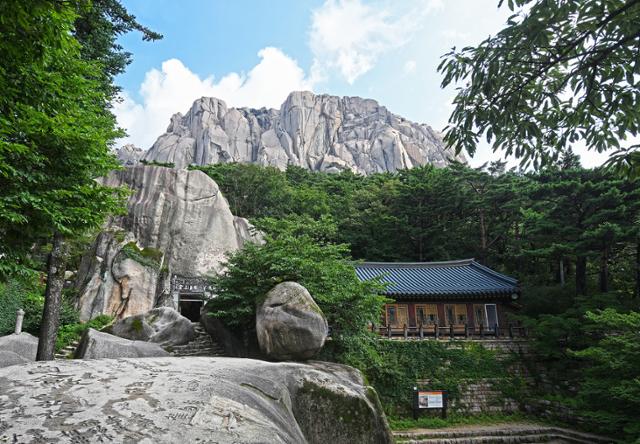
[(445, 299)]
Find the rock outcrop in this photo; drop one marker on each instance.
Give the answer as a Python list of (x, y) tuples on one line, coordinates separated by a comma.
[(129, 155), (98, 345), (169, 400), (163, 325), (317, 132), (8, 358), (22, 344), (289, 324), (177, 222)]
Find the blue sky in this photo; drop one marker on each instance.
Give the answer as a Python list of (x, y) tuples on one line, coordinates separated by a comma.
[(253, 53)]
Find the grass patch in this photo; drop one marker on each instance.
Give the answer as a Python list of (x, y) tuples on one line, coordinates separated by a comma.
[(452, 420), (73, 332), (149, 257)]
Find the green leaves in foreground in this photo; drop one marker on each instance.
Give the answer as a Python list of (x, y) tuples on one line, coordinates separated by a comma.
[(559, 73)]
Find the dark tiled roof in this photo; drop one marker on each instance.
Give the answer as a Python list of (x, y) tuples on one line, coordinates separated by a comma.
[(453, 278)]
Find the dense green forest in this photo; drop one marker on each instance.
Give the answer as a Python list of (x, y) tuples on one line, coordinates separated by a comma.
[(569, 234)]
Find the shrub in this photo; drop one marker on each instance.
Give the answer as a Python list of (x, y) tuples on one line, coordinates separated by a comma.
[(394, 367), (297, 250), (149, 257), (24, 293), (69, 333)]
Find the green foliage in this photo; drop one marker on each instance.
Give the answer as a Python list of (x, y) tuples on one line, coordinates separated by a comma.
[(452, 420), (55, 131), (150, 257), (136, 325), (69, 333), (18, 293), (98, 26), (558, 73), (297, 250), (609, 391), (28, 294), (155, 163), (402, 363)]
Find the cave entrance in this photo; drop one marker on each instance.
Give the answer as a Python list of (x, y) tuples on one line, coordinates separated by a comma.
[(189, 306)]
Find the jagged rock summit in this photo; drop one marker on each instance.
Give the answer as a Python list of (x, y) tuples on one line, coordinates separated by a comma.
[(317, 132)]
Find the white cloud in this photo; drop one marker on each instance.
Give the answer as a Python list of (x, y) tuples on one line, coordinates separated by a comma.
[(409, 67), (349, 36), (174, 87)]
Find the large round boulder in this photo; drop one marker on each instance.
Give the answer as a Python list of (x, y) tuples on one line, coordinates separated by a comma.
[(98, 345), (163, 325), (289, 324)]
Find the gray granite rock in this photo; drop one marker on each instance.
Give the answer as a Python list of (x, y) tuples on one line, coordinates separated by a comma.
[(317, 132), (289, 324), (163, 325), (178, 214), (129, 155), (169, 400), (23, 344), (8, 358), (98, 345)]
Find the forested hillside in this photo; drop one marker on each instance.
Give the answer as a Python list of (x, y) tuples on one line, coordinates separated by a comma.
[(569, 234)]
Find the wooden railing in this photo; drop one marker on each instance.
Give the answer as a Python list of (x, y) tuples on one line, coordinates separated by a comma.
[(450, 332)]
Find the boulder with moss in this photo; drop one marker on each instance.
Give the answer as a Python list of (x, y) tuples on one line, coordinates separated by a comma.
[(163, 325), (168, 400), (289, 324)]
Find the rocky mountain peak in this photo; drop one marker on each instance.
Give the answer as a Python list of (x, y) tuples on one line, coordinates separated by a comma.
[(317, 132)]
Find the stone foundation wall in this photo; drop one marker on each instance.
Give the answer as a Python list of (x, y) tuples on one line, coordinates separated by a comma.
[(485, 395), (479, 396)]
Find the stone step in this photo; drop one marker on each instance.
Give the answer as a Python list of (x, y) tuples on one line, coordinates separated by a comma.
[(506, 433), (201, 345), (67, 351)]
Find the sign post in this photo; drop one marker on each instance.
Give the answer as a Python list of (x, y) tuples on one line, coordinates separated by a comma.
[(429, 399)]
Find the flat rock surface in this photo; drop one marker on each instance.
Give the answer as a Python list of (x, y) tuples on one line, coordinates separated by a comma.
[(184, 400)]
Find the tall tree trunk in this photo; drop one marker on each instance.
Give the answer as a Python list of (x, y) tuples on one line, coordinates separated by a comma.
[(483, 237), (604, 270), (52, 299), (562, 271), (637, 293), (581, 275)]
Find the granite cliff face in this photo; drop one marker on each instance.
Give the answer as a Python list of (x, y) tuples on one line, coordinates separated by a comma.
[(318, 132), (177, 222)]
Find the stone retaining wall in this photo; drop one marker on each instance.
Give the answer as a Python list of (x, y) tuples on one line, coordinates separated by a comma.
[(478, 396)]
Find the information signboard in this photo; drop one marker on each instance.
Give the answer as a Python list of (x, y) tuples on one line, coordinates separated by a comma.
[(429, 399)]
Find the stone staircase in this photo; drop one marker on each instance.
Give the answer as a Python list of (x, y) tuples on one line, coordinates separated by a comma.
[(497, 434), (67, 352), (201, 345)]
